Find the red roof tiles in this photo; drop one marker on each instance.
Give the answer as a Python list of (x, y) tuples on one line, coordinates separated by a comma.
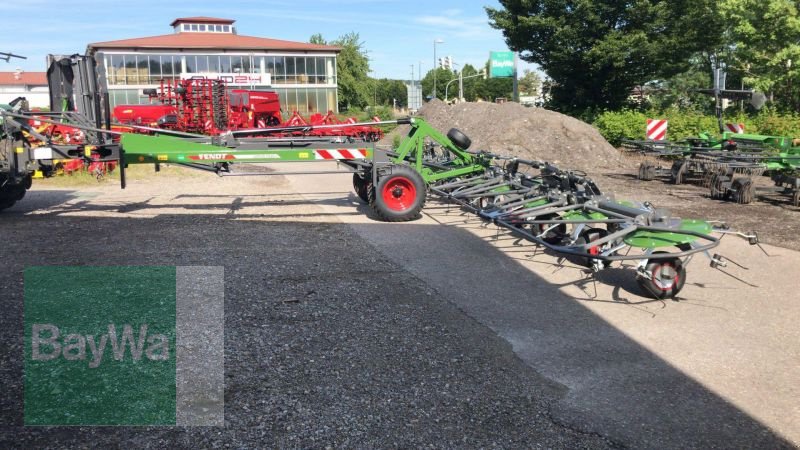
[(24, 78), (211, 41)]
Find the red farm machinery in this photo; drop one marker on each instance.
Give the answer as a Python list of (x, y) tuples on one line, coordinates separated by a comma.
[(208, 107)]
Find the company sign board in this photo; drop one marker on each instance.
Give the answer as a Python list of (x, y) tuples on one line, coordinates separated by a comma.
[(502, 64), (233, 79)]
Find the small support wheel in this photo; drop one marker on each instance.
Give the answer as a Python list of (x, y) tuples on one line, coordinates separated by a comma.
[(647, 172), (399, 194), (361, 184), (587, 236), (459, 139), (743, 190), (667, 277), (718, 186), (678, 172), (553, 235)]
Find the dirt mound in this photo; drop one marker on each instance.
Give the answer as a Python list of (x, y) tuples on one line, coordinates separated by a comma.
[(530, 133)]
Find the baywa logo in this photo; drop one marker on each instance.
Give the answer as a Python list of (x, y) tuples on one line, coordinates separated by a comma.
[(47, 345), (100, 346), (119, 346)]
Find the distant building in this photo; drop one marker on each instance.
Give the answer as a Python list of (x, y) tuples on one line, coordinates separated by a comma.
[(31, 85), (303, 74)]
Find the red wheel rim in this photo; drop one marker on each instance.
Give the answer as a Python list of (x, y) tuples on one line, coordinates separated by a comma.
[(399, 194)]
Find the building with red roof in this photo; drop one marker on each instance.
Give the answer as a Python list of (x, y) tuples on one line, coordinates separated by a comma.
[(31, 85), (303, 74)]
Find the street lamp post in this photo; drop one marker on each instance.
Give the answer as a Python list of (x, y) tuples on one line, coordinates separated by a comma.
[(435, 41)]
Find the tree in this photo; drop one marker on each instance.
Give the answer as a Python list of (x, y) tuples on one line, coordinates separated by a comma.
[(597, 51), (317, 39), (391, 91), (530, 83), (763, 45), (442, 77), (352, 66)]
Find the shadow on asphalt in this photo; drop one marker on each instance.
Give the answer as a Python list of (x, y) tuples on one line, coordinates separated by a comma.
[(613, 386)]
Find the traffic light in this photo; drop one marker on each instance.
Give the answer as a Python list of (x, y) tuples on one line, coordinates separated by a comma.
[(441, 62), (448, 62)]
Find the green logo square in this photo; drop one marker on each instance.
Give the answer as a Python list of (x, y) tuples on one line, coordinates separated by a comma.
[(502, 64), (100, 346)]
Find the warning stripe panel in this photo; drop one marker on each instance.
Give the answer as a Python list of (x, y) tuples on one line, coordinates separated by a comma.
[(656, 129), (342, 153), (737, 128)]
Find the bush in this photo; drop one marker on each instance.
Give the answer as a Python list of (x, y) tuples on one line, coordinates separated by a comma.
[(772, 123), (627, 124)]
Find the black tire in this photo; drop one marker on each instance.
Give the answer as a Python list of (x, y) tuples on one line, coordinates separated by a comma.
[(399, 194), (591, 235), (6, 203), (11, 194), (743, 190), (796, 198), (647, 172), (678, 172), (361, 185), (553, 236), (719, 190), (459, 139), (669, 277)]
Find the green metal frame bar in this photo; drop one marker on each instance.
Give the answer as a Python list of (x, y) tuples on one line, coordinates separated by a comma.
[(144, 149), (412, 149)]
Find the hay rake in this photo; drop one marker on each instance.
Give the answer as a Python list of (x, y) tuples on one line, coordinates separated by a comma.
[(566, 212)]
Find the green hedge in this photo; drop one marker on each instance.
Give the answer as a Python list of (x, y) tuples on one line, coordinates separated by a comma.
[(628, 124)]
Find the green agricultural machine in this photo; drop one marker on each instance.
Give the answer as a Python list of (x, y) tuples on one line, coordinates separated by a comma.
[(561, 210), (727, 163)]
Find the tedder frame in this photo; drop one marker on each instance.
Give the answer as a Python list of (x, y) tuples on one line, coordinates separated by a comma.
[(561, 210)]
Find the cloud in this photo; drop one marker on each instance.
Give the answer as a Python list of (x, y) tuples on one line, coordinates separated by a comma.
[(453, 22)]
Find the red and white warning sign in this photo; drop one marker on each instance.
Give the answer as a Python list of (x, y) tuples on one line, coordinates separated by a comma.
[(737, 128), (341, 153), (656, 129)]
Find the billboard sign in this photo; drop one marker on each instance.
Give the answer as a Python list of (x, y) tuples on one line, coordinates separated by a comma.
[(232, 79), (502, 64)]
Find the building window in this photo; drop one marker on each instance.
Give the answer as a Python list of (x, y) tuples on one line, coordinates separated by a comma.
[(202, 27), (186, 27), (194, 27), (236, 64), (225, 64), (213, 64), (226, 28), (202, 64)]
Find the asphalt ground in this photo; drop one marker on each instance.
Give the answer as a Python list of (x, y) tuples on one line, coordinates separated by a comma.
[(346, 332)]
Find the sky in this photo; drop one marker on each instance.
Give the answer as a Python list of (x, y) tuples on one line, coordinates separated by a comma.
[(396, 33)]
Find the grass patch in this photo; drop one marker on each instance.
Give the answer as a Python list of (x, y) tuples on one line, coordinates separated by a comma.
[(134, 172)]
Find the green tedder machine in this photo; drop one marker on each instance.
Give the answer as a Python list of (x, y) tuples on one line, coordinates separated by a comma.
[(561, 210)]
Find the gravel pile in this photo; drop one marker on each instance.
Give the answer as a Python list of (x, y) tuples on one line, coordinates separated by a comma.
[(531, 133)]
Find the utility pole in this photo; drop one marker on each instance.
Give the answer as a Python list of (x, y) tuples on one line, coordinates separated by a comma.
[(435, 41)]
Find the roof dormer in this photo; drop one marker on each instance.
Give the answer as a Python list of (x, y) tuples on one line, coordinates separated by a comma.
[(203, 25)]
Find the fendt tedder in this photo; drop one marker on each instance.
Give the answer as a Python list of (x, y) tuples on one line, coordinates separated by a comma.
[(562, 210), (726, 165)]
